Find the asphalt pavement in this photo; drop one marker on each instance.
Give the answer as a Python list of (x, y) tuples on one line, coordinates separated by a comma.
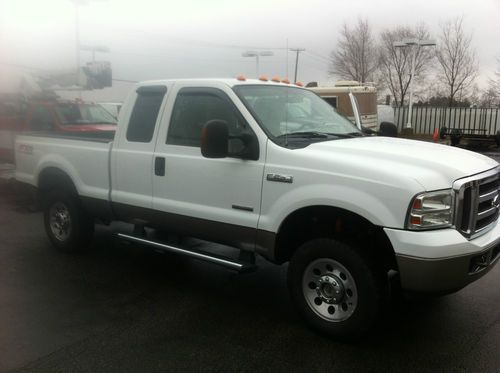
[(123, 308)]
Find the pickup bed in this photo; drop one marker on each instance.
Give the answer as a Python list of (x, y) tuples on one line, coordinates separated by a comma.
[(72, 118), (228, 161)]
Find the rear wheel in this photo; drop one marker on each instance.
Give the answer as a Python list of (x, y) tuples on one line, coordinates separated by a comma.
[(67, 225), (337, 290)]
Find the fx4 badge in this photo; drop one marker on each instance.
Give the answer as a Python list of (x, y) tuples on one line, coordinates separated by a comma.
[(28, 149)]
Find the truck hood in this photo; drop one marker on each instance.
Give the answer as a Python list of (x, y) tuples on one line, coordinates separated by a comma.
[(434, 166)]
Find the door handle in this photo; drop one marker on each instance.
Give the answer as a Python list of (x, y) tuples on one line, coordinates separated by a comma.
[(160, 166)]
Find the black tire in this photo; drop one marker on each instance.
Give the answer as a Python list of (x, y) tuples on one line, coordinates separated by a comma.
[(75, 226), (370, 288)]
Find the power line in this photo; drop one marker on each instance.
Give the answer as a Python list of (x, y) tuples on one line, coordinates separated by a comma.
[(316, 59), (49, 72), (168, 56), (203, 43), (319, 55)]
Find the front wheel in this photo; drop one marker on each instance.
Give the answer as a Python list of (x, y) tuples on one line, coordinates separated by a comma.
[(67, 225), (337, 290)]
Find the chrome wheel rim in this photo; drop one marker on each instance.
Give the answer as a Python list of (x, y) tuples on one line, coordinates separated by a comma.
[(330, 290), (60, 221)]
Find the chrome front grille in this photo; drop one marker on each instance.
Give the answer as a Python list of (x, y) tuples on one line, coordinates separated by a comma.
[(477, 202)]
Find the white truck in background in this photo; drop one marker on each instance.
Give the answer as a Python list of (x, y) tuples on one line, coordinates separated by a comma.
[(270, 169)]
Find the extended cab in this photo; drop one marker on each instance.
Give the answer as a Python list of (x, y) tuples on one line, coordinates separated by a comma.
[(228, 161)]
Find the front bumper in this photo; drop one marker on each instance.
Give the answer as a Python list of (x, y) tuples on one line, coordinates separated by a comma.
[(443, 260)]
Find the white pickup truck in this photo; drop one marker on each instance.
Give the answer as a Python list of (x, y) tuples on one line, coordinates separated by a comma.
[(271, 169)]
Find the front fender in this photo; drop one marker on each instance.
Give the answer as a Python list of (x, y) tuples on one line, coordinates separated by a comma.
[(371, 207)]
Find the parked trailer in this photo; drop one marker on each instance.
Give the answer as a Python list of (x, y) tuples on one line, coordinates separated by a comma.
[(338, 97), (425, 119), (474, 136)]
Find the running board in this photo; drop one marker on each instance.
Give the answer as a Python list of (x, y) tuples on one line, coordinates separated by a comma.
[(208, 257)]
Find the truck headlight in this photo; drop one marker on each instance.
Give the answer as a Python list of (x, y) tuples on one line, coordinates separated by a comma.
[(431, 210)]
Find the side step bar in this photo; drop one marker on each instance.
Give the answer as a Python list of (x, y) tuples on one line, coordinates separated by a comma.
[(208, 257)]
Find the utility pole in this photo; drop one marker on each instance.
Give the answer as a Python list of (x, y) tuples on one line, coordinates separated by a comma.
[(297, 50)]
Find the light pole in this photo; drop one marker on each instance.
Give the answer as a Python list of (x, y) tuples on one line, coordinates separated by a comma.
[(415, 45), (256, 54), (93, 49), (77, 39)]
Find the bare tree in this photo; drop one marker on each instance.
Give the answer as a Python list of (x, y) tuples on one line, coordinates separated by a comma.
[(395, 63), (491, 95), (495, 82), (490, 98), (355, 55), (457, 59)]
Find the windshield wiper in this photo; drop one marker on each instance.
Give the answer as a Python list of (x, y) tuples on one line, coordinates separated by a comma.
[(346, 135), (307, 135)]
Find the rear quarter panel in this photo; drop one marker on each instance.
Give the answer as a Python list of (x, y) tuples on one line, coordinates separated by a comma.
[(85, 162)]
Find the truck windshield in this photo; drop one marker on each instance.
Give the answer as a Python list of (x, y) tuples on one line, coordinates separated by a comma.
[(77, 113), (294, 114)]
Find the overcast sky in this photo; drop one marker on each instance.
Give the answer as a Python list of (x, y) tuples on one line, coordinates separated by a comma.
[(150, 39)]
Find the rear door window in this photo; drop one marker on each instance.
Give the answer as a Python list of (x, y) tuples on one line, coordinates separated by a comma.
[(145, 113)]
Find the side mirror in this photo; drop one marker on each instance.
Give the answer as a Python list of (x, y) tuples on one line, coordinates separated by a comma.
[(214, 139), (388, 129)]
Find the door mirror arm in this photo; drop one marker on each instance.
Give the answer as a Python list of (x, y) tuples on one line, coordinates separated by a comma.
[(215, 142), (250, 150)]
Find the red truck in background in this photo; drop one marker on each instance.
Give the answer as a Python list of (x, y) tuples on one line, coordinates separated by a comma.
[(68, 117)]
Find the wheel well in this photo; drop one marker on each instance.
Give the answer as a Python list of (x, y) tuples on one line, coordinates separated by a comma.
[(326, 221), (53, 178)]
